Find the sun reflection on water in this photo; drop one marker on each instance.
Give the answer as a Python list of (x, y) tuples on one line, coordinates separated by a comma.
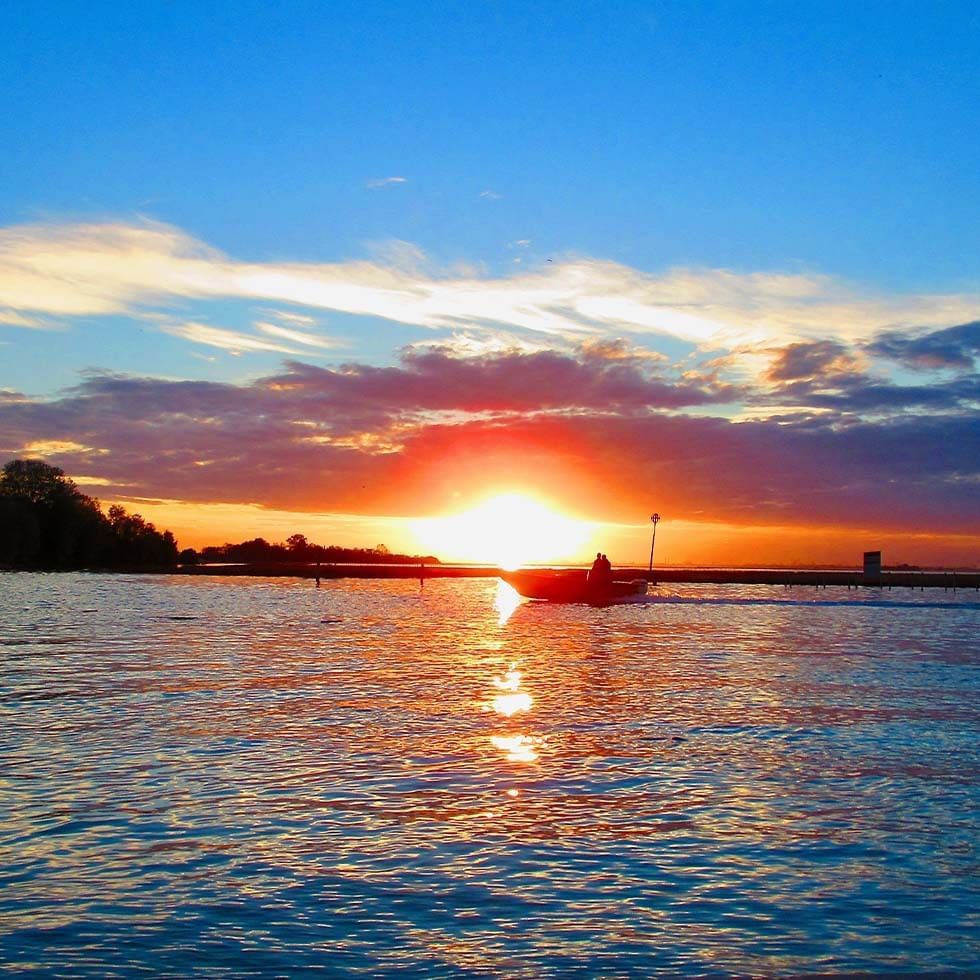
[(511, 704), (514, 700), (511, 681), (505, 601), (519, 748)]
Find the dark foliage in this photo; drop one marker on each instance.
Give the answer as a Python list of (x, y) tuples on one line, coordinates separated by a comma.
[(47, 522), (297, 548)]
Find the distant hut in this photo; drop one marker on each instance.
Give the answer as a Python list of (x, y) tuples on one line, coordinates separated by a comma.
[(872, 564)]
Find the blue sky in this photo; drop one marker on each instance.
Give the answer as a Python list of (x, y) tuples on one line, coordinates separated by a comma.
[(840, 136), (709, 185)]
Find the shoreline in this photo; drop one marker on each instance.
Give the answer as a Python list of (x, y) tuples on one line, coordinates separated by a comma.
[(787, 577), (704, 576)]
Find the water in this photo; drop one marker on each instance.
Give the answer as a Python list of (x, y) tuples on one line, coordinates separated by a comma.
[(256, 778)]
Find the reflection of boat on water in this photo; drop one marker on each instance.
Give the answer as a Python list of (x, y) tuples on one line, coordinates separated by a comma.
[(572, 585)]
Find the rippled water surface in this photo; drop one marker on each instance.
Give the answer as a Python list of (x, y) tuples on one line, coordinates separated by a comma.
[(251, 777)]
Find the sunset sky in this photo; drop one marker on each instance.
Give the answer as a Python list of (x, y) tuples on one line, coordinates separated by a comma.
[(352, 268)]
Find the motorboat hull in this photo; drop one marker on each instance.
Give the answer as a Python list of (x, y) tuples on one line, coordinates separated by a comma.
[(572, 586)]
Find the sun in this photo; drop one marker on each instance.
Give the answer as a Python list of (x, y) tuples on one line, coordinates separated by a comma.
[(508, 530)]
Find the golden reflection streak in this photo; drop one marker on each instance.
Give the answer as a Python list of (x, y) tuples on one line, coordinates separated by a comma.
[(515, 700), (510, 704), (511, 680), (519, 748), (506, 600)]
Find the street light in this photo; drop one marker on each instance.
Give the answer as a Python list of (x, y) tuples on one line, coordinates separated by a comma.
[(655, 518)]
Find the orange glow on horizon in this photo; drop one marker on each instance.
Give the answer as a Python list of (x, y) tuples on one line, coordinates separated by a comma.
[(679, 541), (508, 530)]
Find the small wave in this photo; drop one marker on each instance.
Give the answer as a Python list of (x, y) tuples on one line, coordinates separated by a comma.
[(679, 600)]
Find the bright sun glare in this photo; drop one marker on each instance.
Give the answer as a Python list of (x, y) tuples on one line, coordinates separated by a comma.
[(508, 530)]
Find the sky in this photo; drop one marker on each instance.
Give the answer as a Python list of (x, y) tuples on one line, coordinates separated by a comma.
[(359, 270)]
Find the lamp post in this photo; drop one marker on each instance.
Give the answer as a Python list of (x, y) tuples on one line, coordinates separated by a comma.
[(655, 518)]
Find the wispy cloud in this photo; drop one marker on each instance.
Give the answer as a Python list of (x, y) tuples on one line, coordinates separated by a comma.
[(70, 270), (463, 343), (11, 318), (377, 182), (232, 341), (296, 336), (287, 316), (52, 447), (490, 195)]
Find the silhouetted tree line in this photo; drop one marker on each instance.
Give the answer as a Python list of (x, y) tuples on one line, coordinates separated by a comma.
[(297, 549), (47, 522)]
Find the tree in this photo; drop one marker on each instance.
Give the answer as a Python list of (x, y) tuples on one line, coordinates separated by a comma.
[(47, 522), (70, 527), (298, 546), (138, 542), (36, 482), (20, 532)]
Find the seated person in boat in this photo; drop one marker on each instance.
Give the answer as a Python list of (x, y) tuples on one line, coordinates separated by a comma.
[(600, 574)]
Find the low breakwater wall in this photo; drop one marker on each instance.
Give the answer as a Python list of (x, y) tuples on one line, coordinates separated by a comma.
[(708, 576)]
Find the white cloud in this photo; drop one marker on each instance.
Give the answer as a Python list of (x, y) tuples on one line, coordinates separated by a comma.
[(298, 319), (11, 318), (385, 181), (487, 342), (296, 336), (229, 340), (102, 268), (491, 195), (112, 268)]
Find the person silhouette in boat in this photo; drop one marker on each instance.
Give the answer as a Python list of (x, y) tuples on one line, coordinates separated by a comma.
[(600, 574)]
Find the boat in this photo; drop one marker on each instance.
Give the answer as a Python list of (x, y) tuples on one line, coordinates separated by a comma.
[(572, 585)]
